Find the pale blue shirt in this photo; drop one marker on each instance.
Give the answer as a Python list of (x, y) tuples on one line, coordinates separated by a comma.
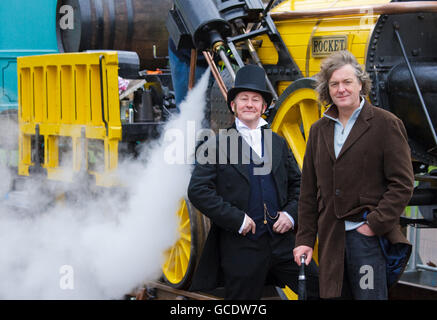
[(340, 135)]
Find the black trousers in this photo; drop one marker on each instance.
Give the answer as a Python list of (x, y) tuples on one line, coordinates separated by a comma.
[(247, 263), (365, 268)]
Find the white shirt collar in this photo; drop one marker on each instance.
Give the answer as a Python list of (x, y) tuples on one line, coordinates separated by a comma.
[(252, 136)]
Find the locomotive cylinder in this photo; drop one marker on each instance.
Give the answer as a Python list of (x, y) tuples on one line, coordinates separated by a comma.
[(129, 25), (201, 20)]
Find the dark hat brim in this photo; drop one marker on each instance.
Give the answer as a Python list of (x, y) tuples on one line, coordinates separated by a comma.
[(233, 92)]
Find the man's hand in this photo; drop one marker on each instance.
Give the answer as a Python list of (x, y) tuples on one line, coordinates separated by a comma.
[(299, 251), (249, 225), (283, 224), (365, 229)]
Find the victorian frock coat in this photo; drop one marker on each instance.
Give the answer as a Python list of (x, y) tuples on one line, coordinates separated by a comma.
[(221, 191)]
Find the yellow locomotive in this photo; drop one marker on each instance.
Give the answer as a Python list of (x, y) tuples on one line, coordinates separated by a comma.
[(291, 40)]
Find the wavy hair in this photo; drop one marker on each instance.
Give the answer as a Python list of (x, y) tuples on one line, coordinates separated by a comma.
[(334, 62)]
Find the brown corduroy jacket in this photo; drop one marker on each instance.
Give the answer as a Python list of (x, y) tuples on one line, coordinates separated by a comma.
[(373, 172)]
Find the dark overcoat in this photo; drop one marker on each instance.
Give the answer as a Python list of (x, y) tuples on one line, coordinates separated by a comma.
[(221, 191), (373, 172)]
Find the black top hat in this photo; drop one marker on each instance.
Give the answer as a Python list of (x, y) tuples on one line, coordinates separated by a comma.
[(250, 78)]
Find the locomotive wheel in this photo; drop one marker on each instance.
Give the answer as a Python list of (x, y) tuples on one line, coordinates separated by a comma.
[(182, 258), (295, 111)]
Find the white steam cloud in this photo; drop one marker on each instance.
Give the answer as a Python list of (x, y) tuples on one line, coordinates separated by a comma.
[(101, 247)]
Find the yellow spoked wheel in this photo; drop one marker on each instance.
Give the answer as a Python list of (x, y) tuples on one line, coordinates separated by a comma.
[(295, 111), (182, 258)]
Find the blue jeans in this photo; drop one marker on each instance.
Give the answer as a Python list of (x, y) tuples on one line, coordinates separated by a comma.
[(365, 268)]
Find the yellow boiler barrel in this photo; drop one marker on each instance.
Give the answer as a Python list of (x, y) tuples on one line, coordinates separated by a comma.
[(312, 29)]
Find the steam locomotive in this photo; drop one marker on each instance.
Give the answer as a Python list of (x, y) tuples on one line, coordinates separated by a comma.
[(287, 38)]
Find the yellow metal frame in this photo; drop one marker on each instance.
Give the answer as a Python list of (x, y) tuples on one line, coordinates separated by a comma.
[(61, 94)]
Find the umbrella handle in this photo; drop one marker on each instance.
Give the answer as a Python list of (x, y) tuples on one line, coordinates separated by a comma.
[(303, 258), (302, 267), (302, 279)]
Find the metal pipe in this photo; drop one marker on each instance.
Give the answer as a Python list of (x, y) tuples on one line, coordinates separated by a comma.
[(388, 8), (227, 63), (416, 85), (411, 266), (414, 242), (268, 7), (426, 267), (192, 76), (251, 34), (257, 60), (236, 55), (101, 91), (216, 74)]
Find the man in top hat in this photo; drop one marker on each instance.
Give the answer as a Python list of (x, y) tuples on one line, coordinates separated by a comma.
[(249, 189)]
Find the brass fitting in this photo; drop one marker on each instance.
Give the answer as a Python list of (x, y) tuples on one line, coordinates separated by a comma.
[(219, 45)]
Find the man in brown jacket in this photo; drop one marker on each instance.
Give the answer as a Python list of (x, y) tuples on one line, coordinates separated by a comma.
[(357, 178)]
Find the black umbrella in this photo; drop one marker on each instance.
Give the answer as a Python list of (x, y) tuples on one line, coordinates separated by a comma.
[(301, 285)]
